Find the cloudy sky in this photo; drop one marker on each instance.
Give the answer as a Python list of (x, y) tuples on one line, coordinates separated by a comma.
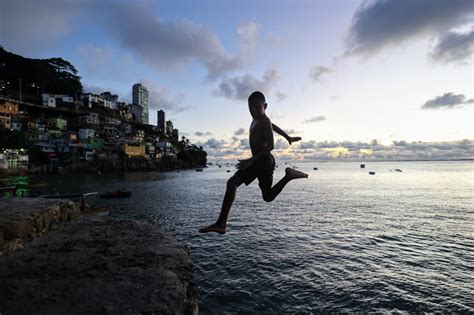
[(355, 79)]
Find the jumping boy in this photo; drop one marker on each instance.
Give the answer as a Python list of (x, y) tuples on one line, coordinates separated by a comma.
[(261, 165)]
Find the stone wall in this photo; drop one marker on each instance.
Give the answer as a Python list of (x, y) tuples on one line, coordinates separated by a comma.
[(23, 219)]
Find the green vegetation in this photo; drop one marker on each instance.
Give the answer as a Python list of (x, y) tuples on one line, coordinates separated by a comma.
[(53, 75)]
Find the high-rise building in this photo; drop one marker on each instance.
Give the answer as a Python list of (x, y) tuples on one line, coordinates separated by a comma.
[(161, 120), (175, 135), (169, 127), (140, 97)]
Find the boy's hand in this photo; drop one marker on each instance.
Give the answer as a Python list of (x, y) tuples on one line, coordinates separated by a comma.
[(244, 164), (293, 139)]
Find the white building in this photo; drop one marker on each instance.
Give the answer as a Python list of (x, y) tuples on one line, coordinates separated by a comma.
[(140, 98)]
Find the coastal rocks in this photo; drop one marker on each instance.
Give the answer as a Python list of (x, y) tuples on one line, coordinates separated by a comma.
[(99, 265), (24, 219)]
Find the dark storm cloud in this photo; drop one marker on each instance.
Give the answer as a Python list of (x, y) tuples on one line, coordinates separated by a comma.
[(315, 119), (239, 88), (202, 134), (454, 47), (380, 23), (448, 100), (316, 72)]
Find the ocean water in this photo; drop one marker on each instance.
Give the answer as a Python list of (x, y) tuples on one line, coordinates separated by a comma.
[(340, 241)]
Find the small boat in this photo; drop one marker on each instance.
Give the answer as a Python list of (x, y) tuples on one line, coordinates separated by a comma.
[(398, 170), (121, 193), (362, 166), (199, 169), (371, 173), (315, 168), (228, 171)]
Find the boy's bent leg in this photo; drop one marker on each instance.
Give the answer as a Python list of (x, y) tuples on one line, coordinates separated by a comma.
[(290, 174), (220, 226)]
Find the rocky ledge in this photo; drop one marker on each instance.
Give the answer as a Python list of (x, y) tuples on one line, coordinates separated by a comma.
[(100, 265), (24, 219)]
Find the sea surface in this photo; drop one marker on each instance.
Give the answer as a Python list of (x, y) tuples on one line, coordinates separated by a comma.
[(340, 241)]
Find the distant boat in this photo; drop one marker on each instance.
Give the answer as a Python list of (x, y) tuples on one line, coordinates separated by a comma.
[(371, 173), (362, 166), (199, 169), (121, 193), (228, 171), (398, 170), (315, 168)]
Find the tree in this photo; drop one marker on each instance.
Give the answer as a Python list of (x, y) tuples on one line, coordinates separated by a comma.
[(12, 139)]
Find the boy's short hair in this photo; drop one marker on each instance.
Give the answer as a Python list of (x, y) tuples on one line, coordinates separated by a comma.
[(257, 96)]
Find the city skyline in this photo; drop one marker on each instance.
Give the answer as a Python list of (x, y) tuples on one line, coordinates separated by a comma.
[(339, 74)]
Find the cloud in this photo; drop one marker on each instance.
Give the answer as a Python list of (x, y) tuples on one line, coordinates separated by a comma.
[(447, 100), (202, 134), (30, 24), (293, 131), (454, 47), (101, 63), (27, 26), (281, 96), (347, 150), (244, 143), (398, 150), (239, 88), (281, 145), (240, 132), (213, 143), (162, 98), (168, 44), (314, 119), (381, 23), (316, 72), (248, 32)]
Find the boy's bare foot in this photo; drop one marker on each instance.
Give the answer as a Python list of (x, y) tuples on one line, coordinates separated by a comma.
[(213, 228), (294, 174)]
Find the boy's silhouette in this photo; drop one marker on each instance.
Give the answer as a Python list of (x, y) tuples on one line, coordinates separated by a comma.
[(261, 165)]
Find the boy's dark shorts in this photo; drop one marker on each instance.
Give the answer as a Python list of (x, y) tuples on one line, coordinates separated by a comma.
[(261, 169)]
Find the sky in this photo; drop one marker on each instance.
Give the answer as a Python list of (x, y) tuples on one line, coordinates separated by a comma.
[(380, 79)]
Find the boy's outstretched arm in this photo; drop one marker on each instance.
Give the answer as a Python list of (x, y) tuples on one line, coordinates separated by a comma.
[(279, 131)]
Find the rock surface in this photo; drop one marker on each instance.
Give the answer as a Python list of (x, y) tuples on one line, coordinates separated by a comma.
[(99, 265), (22, 219)]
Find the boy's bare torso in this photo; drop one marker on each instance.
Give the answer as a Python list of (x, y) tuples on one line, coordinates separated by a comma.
[(258, 129)]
